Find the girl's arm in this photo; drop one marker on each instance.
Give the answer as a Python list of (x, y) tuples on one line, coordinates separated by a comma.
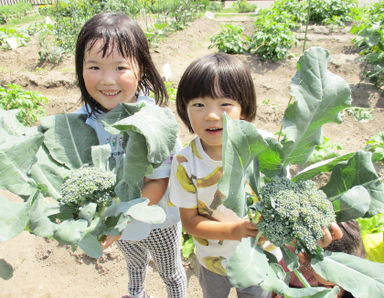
[(154, 189), (206, 228)]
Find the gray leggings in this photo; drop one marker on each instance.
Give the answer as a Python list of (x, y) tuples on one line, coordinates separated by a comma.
[(164, 247), (214, 285)]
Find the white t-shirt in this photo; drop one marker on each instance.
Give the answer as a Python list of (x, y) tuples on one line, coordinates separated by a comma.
[(137, 230), (193, 184)]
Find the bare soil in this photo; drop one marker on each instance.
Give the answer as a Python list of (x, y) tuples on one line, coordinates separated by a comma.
[(45, 269)]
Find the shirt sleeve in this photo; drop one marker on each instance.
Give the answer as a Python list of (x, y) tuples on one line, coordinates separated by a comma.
[(182, 191), (164, 169)]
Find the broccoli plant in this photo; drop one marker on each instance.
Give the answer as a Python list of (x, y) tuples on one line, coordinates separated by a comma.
[(285, 205), (294, 211), (73, 191), (88, 185)]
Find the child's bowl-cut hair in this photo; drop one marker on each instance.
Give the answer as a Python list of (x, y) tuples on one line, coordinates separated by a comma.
[(119, 31), (217, 75)]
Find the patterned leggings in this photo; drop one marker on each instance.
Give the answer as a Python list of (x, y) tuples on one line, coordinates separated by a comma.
[(164, 247)]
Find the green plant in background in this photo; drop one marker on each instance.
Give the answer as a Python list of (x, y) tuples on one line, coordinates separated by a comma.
[(360, 114), (325, 150), (21, 37), (30, 104), (187, 245), (244, 6), (17, 10), (230, 40), (375, 145), (272, 39), (370, 41), (297, 9), (325, 11)]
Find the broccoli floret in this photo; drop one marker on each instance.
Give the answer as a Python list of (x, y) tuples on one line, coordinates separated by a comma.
[(294, 211), (88, 184)]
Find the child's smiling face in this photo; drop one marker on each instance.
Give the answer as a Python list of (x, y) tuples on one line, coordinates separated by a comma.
[(111, 79), (206, 117)]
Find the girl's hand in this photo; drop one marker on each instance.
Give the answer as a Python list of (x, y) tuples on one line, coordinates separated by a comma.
[(328, 237), (244, 229), (108, 241)]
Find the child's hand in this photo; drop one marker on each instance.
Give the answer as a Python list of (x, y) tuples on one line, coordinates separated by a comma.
[(328, 237), (108, 241), (244, 229)]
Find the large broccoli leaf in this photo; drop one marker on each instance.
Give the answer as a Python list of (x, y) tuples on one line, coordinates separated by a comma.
[(17, 154), (14, 218), (359, 276), (241, 144), (319, 97), (355, 188), (150, 137), (69, 139)]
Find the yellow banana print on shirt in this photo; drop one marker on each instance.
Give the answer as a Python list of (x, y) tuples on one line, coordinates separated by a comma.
[(203, 209), (181, 158), (194, 149), (184, 180), (211, 179), (214, 264), (201, 241)]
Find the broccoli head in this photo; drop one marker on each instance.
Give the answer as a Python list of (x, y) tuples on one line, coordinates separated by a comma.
[(294, 211), (88, 184)]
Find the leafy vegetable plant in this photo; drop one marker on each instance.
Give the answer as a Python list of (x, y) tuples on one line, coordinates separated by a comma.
[(43, 165), (375, 145), (30, 104), (354, 189), (230, 40)]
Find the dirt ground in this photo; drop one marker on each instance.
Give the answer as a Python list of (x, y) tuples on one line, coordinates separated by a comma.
[(45, 269)]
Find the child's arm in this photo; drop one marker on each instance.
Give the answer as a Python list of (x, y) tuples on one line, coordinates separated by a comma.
[(154, 189), (206, 228)]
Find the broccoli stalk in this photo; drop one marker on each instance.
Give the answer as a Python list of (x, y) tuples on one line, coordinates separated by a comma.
[(88, 185), (294, 213)]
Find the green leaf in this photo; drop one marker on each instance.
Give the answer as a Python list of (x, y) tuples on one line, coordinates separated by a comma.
[(320, 97), (46, 171), (159, 127), (88, 211), (290, 258), (91, 246), (6, 270), (100, 156), (70, 231), (153, 214), (188, 248), (17, 154), (249, 258), (320, 167), (359, 276), (68, 139), (39, 222), (358, 172), (13, 218), (241, 144), (137, 209)]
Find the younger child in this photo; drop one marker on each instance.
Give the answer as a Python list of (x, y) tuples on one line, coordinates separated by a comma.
[(113, 66), (210, 86)]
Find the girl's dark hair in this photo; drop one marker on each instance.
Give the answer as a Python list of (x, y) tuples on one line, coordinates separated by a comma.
[(120, 31), (217, 75), (351, 242)]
